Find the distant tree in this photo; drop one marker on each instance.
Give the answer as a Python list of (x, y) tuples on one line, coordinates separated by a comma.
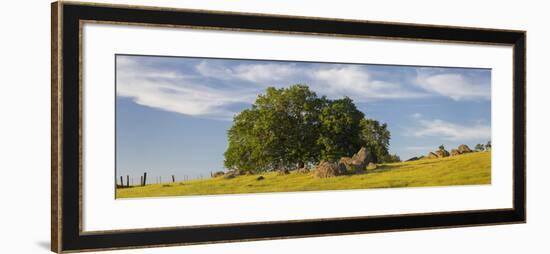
[(479, 147), (488, 146), (390, 158), (441, 147), (376, 137)]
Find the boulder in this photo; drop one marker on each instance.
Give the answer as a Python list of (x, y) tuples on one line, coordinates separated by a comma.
[(431, 155), (442, 153), (329, 169), (455, 152), (464, 149), (362, 157), (358, 161), (259, 178), (218, 174), (348, 163), (371, 166)]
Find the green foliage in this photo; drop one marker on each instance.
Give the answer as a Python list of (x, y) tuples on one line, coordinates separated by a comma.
[(292, 127), (488, 145), (376, 137), (279, 131), (340, 129), (479, 147), (391, 158), (441, 147)]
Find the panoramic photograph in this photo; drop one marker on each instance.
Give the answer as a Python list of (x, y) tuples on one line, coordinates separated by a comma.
[(212, 126)]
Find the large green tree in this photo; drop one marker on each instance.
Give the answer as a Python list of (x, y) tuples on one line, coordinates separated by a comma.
[(292, 127), (281, 130)]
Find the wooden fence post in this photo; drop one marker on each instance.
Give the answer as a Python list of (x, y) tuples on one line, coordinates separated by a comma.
[(173, 179), (121, 182), (144, 178), (127, 181)]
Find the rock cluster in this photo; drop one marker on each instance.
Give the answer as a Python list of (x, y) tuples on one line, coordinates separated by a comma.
[(357, 164), (442, 153)]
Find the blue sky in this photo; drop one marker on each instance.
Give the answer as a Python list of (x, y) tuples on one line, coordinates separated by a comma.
[(173, 113)]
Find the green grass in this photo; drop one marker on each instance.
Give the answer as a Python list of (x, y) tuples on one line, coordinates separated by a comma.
[(467, 169)]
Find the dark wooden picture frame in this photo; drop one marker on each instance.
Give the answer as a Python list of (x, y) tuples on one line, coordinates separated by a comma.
[(66, 97)]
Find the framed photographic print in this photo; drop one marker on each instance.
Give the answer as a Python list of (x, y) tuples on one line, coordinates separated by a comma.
[(177, 126)]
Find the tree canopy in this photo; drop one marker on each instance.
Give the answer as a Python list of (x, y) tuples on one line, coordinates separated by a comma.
[(292, 127)]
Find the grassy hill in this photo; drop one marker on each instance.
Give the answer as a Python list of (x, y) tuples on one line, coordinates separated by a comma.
[(466, 169)]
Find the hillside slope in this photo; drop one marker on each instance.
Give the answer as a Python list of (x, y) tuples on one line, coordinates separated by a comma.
[(466, 169)]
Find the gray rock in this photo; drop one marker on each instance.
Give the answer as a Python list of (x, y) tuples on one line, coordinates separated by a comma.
[(358, 161), (464, 149), (431, 155), (329, 169), (442, 153)]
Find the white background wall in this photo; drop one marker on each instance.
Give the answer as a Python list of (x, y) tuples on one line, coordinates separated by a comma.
[(25, 126)]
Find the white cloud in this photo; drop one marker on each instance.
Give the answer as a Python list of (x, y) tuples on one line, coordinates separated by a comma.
[(357, 83), (266, 73), (259, 74), (190, 95), (175, 93), (336, 81), (455, 86), (452, 131)]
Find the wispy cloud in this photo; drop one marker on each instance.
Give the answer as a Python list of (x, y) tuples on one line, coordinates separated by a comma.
[(455, 85), (452, 131), (357, 82), (174, 92), (255, 73)]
